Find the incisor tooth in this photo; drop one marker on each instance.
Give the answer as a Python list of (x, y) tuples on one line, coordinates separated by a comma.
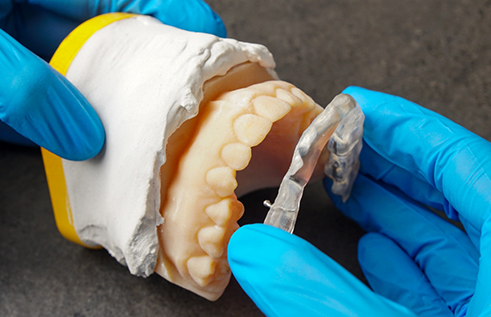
[(211, 240), (251, 129), (287, 96), (307, 101), (225, 210), (201, 269), (236, 155), (222, 180), (271, 108)]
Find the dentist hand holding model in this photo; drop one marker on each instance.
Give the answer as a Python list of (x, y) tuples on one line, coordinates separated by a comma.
[(39, 105)]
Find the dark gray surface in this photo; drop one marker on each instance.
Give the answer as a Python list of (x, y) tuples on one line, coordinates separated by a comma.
[(436, 53)]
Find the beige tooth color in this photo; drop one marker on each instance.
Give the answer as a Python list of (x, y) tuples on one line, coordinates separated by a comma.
[(236, 155), (222, 212), (271, 108), (288, 97), (200, 206), (201, 269), (222, 180), (211, 241), (251, 129)]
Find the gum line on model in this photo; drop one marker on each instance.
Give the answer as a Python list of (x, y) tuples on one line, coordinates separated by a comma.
[(192, 122)]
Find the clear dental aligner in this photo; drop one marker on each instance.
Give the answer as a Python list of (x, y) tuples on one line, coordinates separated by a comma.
[(162, 194), (343, 116)]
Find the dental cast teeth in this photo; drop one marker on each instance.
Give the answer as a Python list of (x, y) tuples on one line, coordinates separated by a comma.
[(227, 129), (146, 80)]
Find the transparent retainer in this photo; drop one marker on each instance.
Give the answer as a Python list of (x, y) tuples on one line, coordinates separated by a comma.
[(340, 128)]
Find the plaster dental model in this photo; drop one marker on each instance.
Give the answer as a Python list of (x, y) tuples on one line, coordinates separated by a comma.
[(192, 121)]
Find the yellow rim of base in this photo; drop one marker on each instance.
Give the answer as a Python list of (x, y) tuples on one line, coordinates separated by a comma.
[(53, 166)]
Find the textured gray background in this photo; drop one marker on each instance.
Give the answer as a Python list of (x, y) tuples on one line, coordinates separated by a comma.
[(436, 53)]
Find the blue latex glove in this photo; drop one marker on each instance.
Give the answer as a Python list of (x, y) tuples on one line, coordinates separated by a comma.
[(39, 104), (412, 157), (287, 276)]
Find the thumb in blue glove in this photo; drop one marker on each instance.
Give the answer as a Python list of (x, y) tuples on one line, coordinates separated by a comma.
[(43, 106), (287, 276), (412, 158)]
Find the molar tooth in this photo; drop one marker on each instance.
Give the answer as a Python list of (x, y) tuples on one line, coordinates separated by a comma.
[(307, 101), (225, 210), (211, 241), (222, 180), (222, 270), (287, 96), (201, 269), (236, 155), (251, 129), (272, 108)]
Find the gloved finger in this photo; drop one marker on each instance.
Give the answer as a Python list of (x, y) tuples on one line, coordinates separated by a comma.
[(435, 245), (287, 276), (43, 106), (7, 134), (449, 157), (413, 186), (393, 274), (191, 15), (481, 302)]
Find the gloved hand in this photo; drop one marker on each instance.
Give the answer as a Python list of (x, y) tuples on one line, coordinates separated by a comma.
[(287, 276), (40, 104), (412, 158)]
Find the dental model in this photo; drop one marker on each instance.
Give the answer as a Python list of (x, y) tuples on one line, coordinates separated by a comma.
[(192, 121), (200, 204)]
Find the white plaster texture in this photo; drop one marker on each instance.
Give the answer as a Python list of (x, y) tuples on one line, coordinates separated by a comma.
[(144, 79)]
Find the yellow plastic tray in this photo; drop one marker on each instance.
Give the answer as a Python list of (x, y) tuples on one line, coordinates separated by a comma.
[(55, 175)]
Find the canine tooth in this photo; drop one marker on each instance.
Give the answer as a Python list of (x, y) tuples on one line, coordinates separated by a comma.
[(287, 96), (236, 155), (225, 210), (201, 269), (272, 108), (211, 240), (307, 101), (251, 129), (222, 180)]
